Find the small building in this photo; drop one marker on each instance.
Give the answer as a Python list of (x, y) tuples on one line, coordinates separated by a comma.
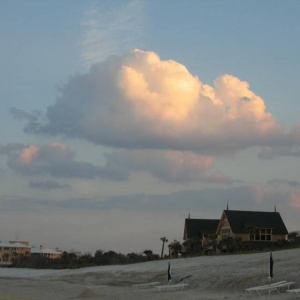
[(49, 253), (201, 228), (77, 253), (204, 229), (12, 249), (261, 228)]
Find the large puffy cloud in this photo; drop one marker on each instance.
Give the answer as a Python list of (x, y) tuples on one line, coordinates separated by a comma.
[(140, 101)]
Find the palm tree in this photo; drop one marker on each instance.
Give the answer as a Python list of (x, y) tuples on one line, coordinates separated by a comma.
[(164, 240), (175, 248), (148, 252)]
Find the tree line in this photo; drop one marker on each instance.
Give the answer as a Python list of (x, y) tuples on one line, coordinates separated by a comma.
[(69, 260), (189, 248)]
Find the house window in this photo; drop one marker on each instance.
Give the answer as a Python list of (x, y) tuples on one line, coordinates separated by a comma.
[(262, 234), (226, 232)]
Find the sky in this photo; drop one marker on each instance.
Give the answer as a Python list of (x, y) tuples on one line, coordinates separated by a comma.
[(119, 118)]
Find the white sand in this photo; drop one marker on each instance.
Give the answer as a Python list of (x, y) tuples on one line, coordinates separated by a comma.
[(209, 277)]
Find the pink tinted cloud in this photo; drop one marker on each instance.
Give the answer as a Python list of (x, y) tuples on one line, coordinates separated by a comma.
[(295, 199), (58, 160), (28, 154)]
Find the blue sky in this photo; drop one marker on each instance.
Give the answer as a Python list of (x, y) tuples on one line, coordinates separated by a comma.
[(111, 147)]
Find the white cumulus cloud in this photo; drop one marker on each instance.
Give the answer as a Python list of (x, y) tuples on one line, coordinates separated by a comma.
[(140, 101)]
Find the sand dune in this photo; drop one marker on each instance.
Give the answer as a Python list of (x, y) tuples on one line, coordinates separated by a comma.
[(209, 277)]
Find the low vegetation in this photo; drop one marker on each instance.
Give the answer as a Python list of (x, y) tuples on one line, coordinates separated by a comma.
[(189, 248), (71, 261)]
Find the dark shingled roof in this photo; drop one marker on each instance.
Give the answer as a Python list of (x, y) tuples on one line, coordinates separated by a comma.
[(197, 227), (240, 220)]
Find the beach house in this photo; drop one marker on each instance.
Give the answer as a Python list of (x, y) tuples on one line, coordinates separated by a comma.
[(42, 251), (200, 228), (11, 249), (258, 227), (203, 229)]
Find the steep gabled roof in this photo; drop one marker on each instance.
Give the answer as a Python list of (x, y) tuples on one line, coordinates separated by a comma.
[(197, 227), (239, 221)]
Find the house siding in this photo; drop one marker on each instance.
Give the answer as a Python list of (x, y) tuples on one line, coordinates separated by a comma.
[(10, 251), (277, 238)]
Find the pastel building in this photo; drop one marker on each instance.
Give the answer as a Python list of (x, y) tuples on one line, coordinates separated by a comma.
[(49, 253), (12, 249)]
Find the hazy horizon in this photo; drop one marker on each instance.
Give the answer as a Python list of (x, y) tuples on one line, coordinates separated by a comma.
[(118, 119)]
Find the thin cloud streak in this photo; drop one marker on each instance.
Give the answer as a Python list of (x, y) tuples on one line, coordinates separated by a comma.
[(46, 185), (256, 197), (112, 30), (284, 182), (20, 114)]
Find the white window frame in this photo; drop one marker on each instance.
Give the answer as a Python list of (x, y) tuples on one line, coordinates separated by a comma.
[(262, 235), (226, 232)]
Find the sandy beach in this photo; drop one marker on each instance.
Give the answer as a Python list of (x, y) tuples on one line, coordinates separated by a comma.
[(208, 278)]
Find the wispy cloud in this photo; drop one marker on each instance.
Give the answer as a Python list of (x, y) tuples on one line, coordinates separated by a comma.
[(111, 30), (249, 197), (20, 114), (47, 184), (283, 182)]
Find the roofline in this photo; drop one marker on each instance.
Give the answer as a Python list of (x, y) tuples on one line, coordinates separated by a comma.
[(252, 211), (204, 219), (13, 245), (220, 221), (247, 211)]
